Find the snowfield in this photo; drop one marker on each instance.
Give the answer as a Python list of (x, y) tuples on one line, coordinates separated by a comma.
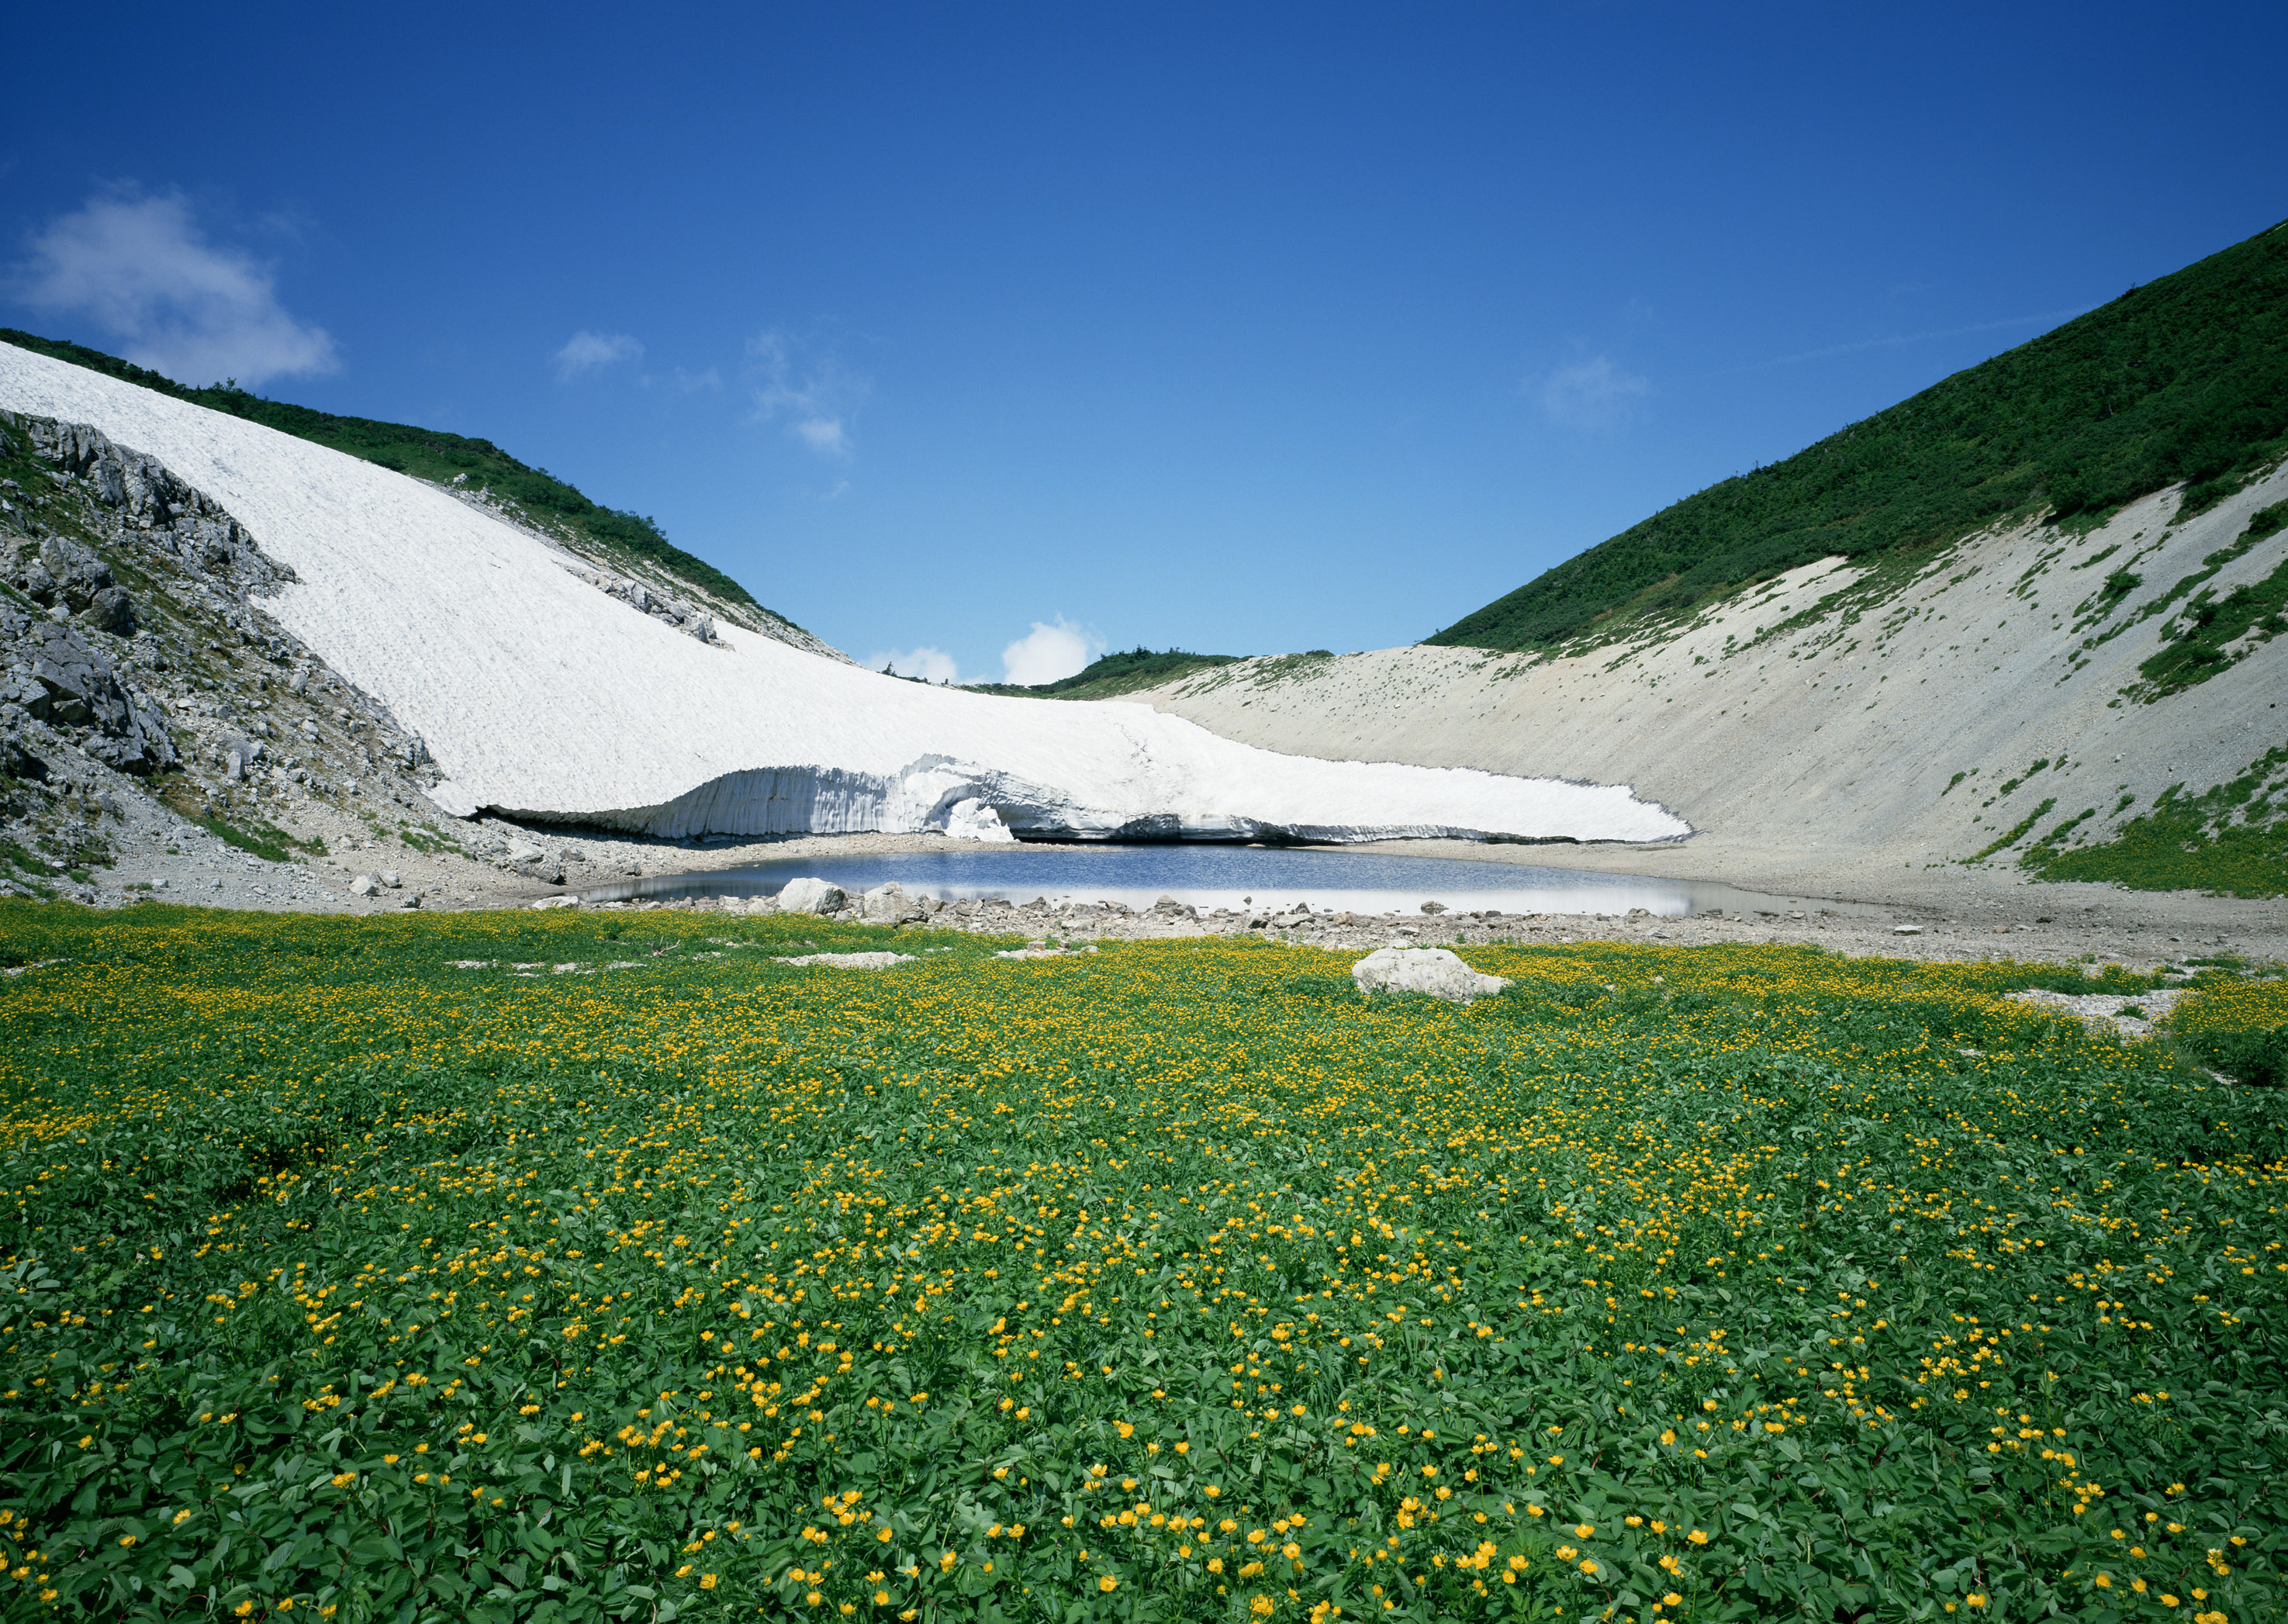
[(539, 696)]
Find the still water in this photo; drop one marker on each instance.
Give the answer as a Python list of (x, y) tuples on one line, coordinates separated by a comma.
[(1211, 877)]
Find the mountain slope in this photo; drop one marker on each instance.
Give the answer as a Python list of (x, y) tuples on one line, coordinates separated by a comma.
[(2182, 381), (2019, 701), (475, 469)]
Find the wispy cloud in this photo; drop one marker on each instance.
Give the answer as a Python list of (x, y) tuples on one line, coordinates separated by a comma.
[(1589, 394), (140, 269), (810, 390), (1894, 341), (587, 352), (929, 664), (1049, 652)]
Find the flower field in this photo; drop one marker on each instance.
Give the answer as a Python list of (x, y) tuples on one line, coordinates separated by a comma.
[(548, 1266)]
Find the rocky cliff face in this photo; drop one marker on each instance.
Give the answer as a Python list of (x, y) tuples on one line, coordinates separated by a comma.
[(141, 673)]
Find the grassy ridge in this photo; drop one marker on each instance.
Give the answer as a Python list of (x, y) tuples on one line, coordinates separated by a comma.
[(1130, 671), (427, 453), (542, 1267), (2185, 378)]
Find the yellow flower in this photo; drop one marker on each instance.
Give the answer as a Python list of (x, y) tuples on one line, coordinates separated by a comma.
[(1107, 1583), (707, 1581)]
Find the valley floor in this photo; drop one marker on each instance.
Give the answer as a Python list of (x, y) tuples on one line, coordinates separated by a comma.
[(1960, 912)]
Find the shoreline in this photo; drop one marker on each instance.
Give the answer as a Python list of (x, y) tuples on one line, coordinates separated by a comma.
[(442, 864)]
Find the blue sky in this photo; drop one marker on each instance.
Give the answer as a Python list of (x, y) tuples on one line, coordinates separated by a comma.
[(1240, 329)]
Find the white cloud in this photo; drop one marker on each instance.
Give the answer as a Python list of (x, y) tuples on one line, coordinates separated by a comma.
[(929, 664), (813, 394), (1049, 653), (140, 269), (585, 352), (827, 436), (1591, 395)]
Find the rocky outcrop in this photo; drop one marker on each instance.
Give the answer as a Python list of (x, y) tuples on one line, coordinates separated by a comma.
[(647, 600), (65, 573), (136, 636), (153, 504), (49, 673)]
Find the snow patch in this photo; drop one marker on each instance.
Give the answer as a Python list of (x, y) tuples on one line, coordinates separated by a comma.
[(542, 698)]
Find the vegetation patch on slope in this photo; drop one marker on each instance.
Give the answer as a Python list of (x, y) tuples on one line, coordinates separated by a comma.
[(2184, 379), (2231, 839), (531, 1266), (2211, 635), (427, 453), (1130, 671)]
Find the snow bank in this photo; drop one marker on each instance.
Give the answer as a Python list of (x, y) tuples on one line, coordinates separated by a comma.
[(539, 696)]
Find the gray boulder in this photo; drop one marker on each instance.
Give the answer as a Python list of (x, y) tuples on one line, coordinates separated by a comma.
[(888, 905), (533, 862), (78, 573), (110, 610), (810, 896), (55, 674), (365, 885), (1431, 970), (18, 763)]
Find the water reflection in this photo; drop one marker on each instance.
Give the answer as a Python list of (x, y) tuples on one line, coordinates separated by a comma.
[(1210, 876)]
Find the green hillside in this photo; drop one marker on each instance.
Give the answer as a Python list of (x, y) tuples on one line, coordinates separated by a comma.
[(427, 453), (1130, 671), (2184, 379)]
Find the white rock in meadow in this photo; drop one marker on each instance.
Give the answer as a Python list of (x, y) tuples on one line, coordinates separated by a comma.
[(1433, 970), (810, 896), (851, 961)]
